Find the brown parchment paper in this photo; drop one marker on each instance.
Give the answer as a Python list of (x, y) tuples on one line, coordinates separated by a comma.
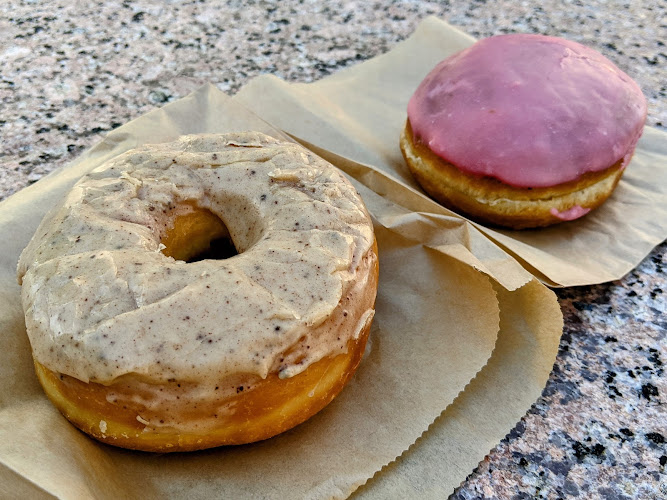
[(358, 114), (442, 313), (485, 412)]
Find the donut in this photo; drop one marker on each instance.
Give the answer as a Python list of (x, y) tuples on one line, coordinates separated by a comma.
[(146, 337), (523, 130)]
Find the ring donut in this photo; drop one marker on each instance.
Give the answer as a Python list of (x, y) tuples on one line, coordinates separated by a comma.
[(144, 343)]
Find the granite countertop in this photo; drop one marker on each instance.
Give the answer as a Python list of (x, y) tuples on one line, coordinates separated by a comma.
[(72, 73)]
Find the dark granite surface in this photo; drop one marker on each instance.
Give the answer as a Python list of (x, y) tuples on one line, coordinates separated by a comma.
[(599, 429), (69, 73)]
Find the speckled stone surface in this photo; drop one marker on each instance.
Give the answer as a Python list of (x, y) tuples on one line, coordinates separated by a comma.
[(69, 73), (599, 429)]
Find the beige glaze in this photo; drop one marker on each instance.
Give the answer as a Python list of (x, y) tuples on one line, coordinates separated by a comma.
[(101, 301)]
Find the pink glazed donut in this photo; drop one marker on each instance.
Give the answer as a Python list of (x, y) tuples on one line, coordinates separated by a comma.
[(523, 130)]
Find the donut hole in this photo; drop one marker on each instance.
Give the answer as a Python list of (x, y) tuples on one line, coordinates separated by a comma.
[(196, 234), (219, 248)]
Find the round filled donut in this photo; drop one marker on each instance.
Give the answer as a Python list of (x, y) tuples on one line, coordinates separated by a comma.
[(523, 130), (216, 290)]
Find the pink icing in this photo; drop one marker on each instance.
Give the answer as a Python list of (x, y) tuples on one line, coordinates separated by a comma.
[(528, 110), (571, 213)]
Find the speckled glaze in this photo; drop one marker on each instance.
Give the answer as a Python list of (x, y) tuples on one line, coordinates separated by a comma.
[(100, 296), (70, 73)]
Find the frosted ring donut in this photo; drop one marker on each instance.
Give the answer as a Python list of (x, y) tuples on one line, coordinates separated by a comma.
[(143, 343)]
